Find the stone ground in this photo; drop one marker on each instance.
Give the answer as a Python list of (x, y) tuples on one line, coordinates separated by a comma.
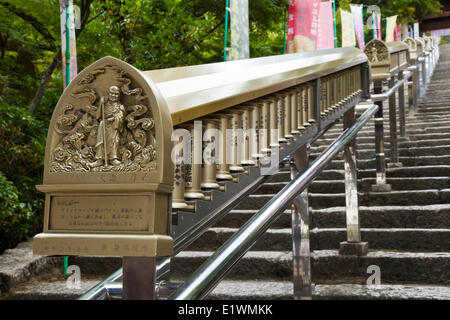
[(408, 229)]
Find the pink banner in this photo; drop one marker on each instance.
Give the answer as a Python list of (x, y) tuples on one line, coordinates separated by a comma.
[(398, 33), (303, 24), (358, 23), (325, 39), (379, 26)]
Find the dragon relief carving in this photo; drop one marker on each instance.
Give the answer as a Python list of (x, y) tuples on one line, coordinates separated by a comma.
[(104, 135)]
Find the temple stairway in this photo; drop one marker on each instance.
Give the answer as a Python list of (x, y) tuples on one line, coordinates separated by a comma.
[(408, 229)]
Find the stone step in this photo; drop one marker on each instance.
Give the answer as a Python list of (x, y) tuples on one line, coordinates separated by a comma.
[(259, 290), (432, 240), (415, 125), (364, 140), (51, 290), (283, 290), (432, 216), (19, 265), (338, 186), (416, 171), (402, 152), (319, 146), (396, 267), (326, 200), (405, 161)]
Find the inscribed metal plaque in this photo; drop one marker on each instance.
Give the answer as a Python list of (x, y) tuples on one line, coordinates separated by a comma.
[(100, 213)]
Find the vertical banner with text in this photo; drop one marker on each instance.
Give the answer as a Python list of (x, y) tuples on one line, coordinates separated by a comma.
[(303, 25), (240, 48), (348, 29), (390, 28), (72, 42), (325, 39), (358, 23)]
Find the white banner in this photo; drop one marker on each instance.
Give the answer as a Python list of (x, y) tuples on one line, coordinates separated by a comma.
[(348, 29), (416, 30), (240, 48)]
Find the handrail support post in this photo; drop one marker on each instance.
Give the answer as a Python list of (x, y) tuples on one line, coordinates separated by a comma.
[(353, 245), (380, 158), (139, 278), (301, 253), (401, 107), (393, 128), (412, 93)]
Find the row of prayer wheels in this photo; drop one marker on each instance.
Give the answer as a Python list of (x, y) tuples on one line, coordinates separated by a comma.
[(217, 147)]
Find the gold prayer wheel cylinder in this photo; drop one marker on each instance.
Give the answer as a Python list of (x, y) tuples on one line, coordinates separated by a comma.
[(254, 139), (323, 96), (334, 99), (306, 106), (311, 112), (265, 127), (281, 115), (193, 188), (246, 159), (288, 116), (209, 167), (300, 122), (273, 124), (294, 113), (178, 202), (234, 149), (223, 171)]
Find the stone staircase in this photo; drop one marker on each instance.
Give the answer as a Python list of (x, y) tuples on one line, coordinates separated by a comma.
[(408, 229)]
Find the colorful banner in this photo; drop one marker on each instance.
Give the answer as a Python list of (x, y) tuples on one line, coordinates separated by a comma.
[(358, 23), (240, 48), (303, 25), (390, 28), (325, 39), (348, 29), (379, 26), (72, 42), (441, 32)]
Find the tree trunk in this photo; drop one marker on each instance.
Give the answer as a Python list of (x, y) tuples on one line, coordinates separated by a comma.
[(44, 82)]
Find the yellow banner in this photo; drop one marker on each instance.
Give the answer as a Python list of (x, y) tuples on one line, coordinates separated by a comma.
[(348, 29), (391, 23)]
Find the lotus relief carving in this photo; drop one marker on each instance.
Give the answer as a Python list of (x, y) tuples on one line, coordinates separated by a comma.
[(106, 129)]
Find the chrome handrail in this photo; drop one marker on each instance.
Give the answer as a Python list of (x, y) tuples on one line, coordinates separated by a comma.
[(209, 274)]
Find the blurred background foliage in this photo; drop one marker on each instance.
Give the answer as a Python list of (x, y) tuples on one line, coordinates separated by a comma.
[(150, 34)]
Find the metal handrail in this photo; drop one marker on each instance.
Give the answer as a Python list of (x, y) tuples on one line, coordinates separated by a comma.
[(208, 275), (387, 94)]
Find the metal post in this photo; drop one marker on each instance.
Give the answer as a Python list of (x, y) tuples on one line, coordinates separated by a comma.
[(301, 253), (317, 102), (393, 127), (139, 278), (380, 157), (401, 106), (353, 245), (413, 92), (424, 77)]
